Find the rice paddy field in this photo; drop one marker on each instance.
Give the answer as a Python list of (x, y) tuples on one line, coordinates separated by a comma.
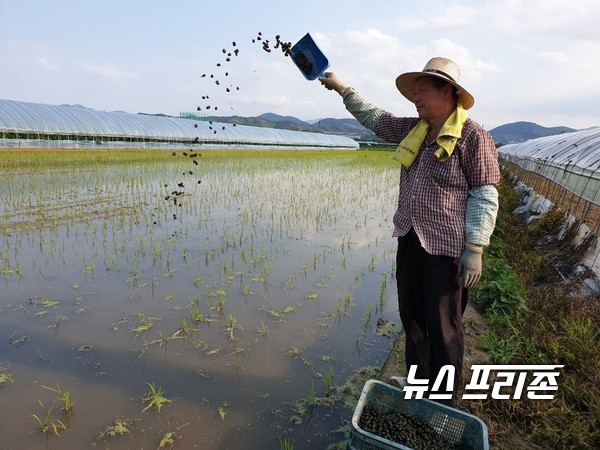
[(221, 300)]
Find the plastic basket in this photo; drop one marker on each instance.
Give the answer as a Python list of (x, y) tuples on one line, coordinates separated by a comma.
[(464, 431)]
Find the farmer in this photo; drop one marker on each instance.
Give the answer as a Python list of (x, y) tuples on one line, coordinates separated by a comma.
[(446, 212)]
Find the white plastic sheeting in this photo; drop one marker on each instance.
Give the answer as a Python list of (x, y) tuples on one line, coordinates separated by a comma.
[(43, 122), (569, 159)]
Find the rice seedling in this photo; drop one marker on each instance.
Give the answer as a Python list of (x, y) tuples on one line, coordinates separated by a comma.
[(276, 314), (168, 440), (46, 303), (293, 352), (305, 407), (64, 397), (155, 398), (145, 324), (5, 377), (347, 299), (143, 352), (197, 316), (113, 229), (382, 292), (165, 339), (198, 281), (223, 410), (47, 424), (17, 341), (41, 358), (286, 444), (57, 321), (371, 266), (343, 306), (7, 271), (115, 326), (246, 291), (329, 381), (230, 329), (119, 428), (220, 295), (237, 365), (185, 326), (265, 273), (367, 316)]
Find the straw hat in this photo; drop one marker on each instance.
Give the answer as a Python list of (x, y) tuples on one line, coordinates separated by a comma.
[(443, 68)]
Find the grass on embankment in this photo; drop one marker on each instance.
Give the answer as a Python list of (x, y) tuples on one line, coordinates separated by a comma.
[(536, 317)]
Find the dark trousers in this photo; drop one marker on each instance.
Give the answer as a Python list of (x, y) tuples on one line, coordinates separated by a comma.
[(431, 302)]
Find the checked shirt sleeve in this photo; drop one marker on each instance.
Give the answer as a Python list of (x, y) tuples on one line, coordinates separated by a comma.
[(366, 113), (480, 165)]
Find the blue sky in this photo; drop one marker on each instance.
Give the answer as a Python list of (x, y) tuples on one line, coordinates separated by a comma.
[(531, 60)]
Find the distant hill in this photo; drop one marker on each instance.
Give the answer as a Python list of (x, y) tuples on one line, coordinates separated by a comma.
[(504, 134), (346, 127), (277, 118), (523, 131)]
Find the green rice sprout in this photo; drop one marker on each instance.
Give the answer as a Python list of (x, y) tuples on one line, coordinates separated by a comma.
[(168, 440), (223, 410), (155, 398), (329, 381), (47, 424), (286, 444), (165, 338), (232, 326), (120, 427), (5, 376), (64, 397)]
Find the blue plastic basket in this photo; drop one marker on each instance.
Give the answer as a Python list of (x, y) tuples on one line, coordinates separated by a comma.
[(463, 430)]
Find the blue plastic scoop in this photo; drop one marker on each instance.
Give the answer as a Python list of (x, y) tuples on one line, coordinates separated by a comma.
[(309, 58)]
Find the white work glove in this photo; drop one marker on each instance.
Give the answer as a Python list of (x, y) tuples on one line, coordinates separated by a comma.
[(470, 265), (332, 82)]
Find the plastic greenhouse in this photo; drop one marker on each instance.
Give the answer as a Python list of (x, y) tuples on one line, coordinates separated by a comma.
[(36, 125), (565, 169)]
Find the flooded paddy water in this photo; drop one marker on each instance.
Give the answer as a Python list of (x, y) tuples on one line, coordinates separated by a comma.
[(219, 309)]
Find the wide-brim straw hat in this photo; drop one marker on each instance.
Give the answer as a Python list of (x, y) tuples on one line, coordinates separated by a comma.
[(443, 68)]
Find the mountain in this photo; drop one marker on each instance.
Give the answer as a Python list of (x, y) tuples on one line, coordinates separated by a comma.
[(523, 131), (277, 118), (346, 127), (504, 134)]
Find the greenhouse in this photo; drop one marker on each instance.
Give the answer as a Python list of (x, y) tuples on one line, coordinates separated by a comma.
[(564, 169), (36, 125)]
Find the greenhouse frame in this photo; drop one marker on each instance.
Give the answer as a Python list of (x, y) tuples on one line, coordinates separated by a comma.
[(37, 125), (565, 169)]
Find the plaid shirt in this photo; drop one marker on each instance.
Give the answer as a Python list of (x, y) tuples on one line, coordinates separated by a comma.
[(433, 195)]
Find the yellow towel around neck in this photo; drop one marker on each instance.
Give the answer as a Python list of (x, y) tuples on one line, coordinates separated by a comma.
[(408, 149)]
